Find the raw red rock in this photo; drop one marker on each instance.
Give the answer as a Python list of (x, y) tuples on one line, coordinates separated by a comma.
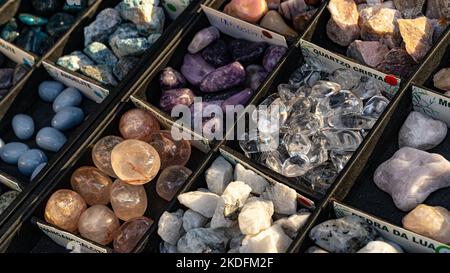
[(398, 62), (369, 53), (417, 35), (343, 26)]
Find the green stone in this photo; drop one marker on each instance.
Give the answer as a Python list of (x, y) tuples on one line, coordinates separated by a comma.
[(32, 20)]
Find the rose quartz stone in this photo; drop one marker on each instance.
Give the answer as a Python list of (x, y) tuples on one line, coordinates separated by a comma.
[(170, 181), (93, 185), (248, 10), (138, 124), (130, 233), (128, 201), (99, 224), (171, 152), (64, 209), (135, 162), (101, 154)]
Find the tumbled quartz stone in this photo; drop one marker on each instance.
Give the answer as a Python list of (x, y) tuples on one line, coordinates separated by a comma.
[(99, 224), (128, 201), (380, 24), (202, 39), (380, 247), (93, 185), (203, 240), (130, 233), (432, 222), (250, 11), (345, 235), (138, 124), (171, 180), (223, 78), (124, 66), (411, 175), (368, 88), (6, 199), (342, 140), (219, 175), (340, 159), (283, 197), (171, 79), (255, 216), (321, 177), (101, 54), (346, 78), (195, 68), (249, 177), (369, 53), (101, 154), (217, 54), (271, 240), (74, 61), (105, 24), (292, 224), (135, 162), (100, 73), (192, 219), (343, 26), (247, 52), (421, 132), (170, 226), (203, 202), (171, 151), (417, 35), (59, 24), (64, 209)]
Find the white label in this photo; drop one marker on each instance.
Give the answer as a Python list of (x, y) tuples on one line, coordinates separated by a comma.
[(10, 183), (175, 7), (432, 104), (325, 58), (89, 89), (70, 241), (409, 241), (242, 30), (16, 54)]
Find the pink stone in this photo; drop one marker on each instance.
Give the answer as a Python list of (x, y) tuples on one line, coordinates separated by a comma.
[(128, 201), (170, 181), (171, 152), (135, 162), (343, 26), (291, 8), (99, 224), (409, 8), (64, 209), (138, 124), (441, 79), (248, 10), (101, 154), (437, 9), (417, 35), (93, 185), (130, 233), (380, 24), (369, 53)]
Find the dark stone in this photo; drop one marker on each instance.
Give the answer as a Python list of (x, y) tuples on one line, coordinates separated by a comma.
[(47, 7), (10, 31), (35, 40), (124, 66), (59, 24), (247, 52), (398, 62), (6, 78), (217, 54)]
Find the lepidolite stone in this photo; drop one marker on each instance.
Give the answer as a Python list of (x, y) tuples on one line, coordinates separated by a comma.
[(433, 222), (437, 9), (240, 98), (135, 162), (411, 175), (99, 224), (195, 68), (409, 8), (203, 38), (250, 11), (124, 66), (223, 78), (398, 62), (59, 24), (369, 53), (343, 26), (272, 56), (74, 61), (380, 24), (202, 202), (345, 235), (138, 124), (441, 79), (417, 35), (421, 132), (171, 180), (247, 52), (130, 233), (171, 79), (273, 21), (171, 151), (100, 73), (217, 54), (100, 54), (64, 209), (93, 185), (101, 154), (174, 97), (106, 23), (128, 201)]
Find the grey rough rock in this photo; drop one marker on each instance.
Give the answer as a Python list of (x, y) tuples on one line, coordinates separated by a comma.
[(369, 53), (165, 247), (101, 54), (284, 198), (6, 199), (293, 223), (421, 132), (123, 31), (203, 240), (249, 177), (202, 202), (271, 240), (411, 175), (219, 175), (255, 216), (345, 235), (124, 66), (106, 23), (192, 219), (170, 226)]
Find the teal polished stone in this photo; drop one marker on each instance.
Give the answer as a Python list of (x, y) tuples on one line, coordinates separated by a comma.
[(11, 152), (101, 54), (67, 118), (35, 40), (23, 126), (50, 139), (30, 160), (69, 97), (59, 24), (74, 61), (32, 20), (10, 31)]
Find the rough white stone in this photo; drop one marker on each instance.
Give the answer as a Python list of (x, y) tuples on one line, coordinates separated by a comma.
[(293, 223), (380, 247), (202, 202), (219, 175), (249, 177), (284, 198), (170, 226), (192, 219), (255, 216), (271, 240)]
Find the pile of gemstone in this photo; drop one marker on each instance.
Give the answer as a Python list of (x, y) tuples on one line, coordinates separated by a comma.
[(10, 76), (133, 160), (38, 32), (116, 39), (311, 127)]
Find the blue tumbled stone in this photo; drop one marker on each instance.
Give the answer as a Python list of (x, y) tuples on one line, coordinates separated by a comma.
[(30, 160), (38, 170), (32, 20), (49, 90), (23, 126), (12, 152), (69, 97), (50, 139), (67, 118)]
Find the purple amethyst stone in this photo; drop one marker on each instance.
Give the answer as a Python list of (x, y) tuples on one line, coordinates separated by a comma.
[(174, 97), (171, 79), (272, 56), (217, 54), (247, 52), (223, 78), (195, 68)]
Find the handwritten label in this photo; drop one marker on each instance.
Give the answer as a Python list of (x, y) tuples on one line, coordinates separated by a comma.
[(91, 90), (16, 54), (432, 104), (70, 241), (409, 241), (241, 29), (317, 55)]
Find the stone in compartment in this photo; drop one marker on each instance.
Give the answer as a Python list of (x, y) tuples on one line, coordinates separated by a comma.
[(171, 151), (250, 11), (130, 233), (50, 139), (99, 224), (11, 152), (128, 201), (68, 118), (93, 185), (271, 240), (219, 175), (441, 79), (30, 160), (274, 22), (138, 124), (101, 154), (343, 26), (64, 209), (192, 219), (23, 126), (249, 177), (170, 226), (417, 35), (203, 38), (255, 216), (68, 97), (380, 246), (6, 199), (50, 90), (171, 180), (202, 202), (203, 240), (369, 53)]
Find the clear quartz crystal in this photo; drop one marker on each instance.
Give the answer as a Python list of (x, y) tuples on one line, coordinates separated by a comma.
[(305, 124), (350, 120), (342, 102), (346, 78), (367, 88), (321, 177), (297, 144), (340, 159), (322, 89), (296, 166), (375, 106), (342, 140)]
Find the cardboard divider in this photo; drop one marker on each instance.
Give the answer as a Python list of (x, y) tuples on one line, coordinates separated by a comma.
[(151, 244), (31, 215), (8, 10)]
